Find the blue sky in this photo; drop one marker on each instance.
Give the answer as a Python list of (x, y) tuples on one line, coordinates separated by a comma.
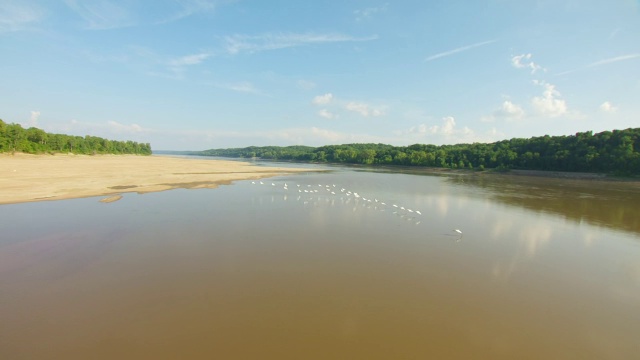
[(200, 74)]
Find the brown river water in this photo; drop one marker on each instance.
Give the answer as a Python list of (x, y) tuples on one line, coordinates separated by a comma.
[(542, 269)]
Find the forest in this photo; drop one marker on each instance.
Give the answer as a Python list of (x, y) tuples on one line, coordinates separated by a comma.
[(15, 138), (613, 152)]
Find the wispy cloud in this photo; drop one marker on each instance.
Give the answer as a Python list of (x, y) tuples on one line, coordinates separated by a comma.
[(460, 49), (188, 8), (603, 62), (362, 108), (102, 14), (243, 87), (306, 84), (273, 41), (613, 60), (327, 114), (112, 14), (189, 60), (117, 127), (169, 67), (368, 13), (15, 16)]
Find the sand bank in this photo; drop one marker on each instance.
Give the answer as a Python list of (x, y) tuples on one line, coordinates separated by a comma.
[(26, 178)]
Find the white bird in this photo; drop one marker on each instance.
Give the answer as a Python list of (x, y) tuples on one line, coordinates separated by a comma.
[(298, 185), (272, 184), (253, 182), (409, 210), (401, 207), (458, 231), (394, 205), (418, 212), (261, 183)]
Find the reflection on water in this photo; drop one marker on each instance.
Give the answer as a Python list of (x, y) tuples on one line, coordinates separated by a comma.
[(611, 204), (325, 267)]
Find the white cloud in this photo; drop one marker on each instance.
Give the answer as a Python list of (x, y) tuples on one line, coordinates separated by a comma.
[(15, 16), (447, 128), (327, 114), (449, 123), (122, 128), (322, 99), (549, 104), (366, 14), (187, 60), (272, 41), (33, 120), (306, 85), (177, 67), (244, 87), (446, 132), (507, 111), (511, 110), (460, 49), (364, 109), (608, 107), (361, 108), (524, 61)]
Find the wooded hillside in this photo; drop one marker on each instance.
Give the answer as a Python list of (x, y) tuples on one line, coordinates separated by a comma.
[(13, 137), (616, 152)]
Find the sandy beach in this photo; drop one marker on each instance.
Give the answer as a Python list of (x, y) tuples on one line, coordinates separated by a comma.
[(27, 178)]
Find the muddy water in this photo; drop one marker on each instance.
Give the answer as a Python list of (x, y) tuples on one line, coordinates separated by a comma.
[(542, 269)]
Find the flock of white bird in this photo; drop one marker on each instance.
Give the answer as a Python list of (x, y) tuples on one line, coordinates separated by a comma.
[(404, 212)]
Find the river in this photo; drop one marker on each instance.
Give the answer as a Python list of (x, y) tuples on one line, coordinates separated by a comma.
[(416, 266)]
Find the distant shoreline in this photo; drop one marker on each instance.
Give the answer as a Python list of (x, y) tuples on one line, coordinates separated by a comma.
[(552, 174), (31, 178)]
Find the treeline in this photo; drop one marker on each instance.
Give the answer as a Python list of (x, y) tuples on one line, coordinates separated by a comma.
[(14, 137), (616, 152)]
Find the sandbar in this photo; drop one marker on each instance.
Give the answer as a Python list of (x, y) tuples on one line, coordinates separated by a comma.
[(28, 178)]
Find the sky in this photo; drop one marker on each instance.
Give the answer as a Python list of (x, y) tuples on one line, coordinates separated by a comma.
[(203, 74)]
